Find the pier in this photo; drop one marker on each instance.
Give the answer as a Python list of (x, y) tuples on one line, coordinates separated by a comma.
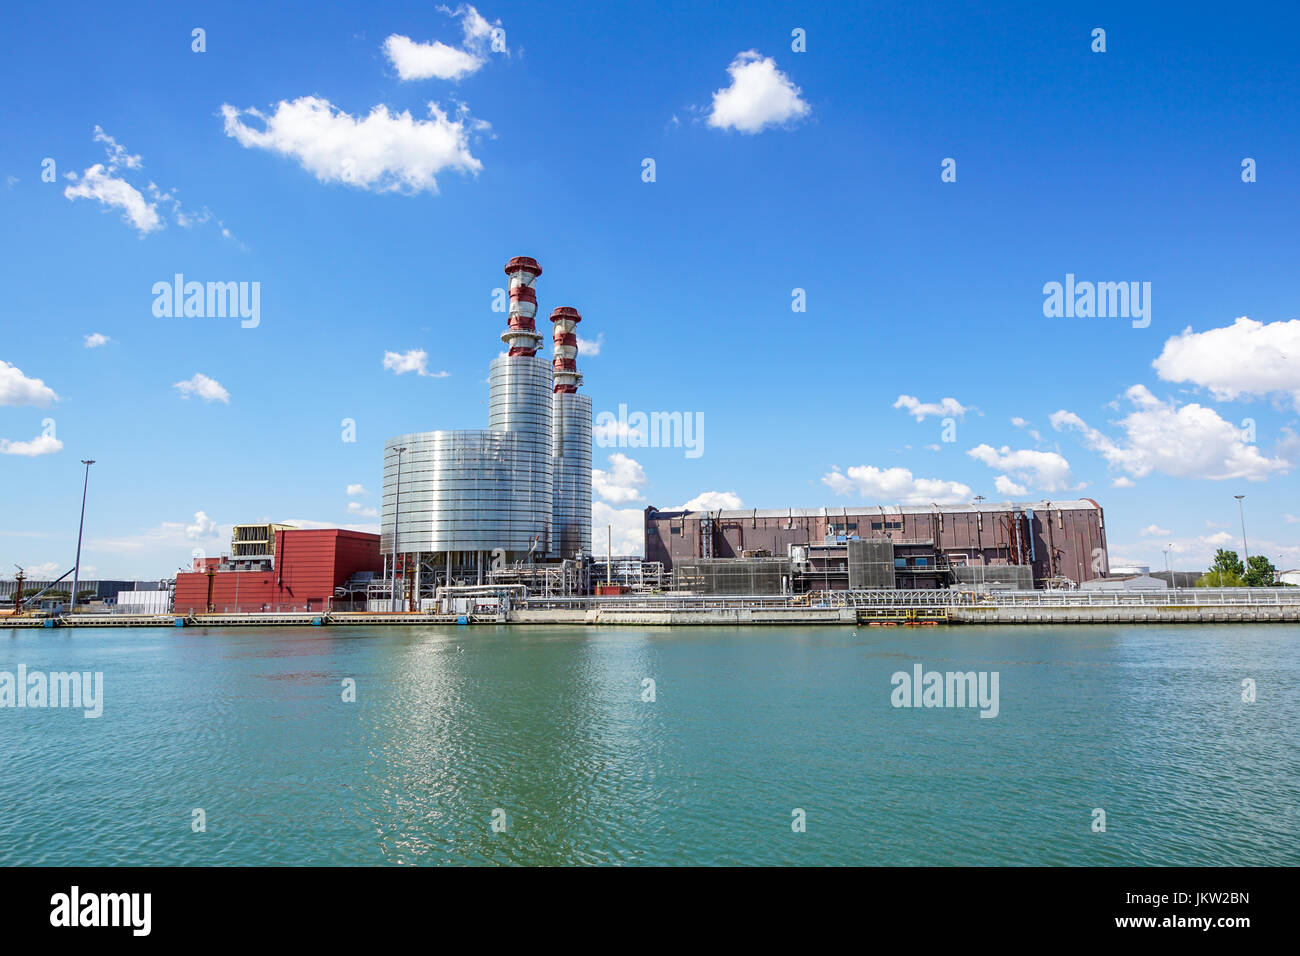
[(883, 607)]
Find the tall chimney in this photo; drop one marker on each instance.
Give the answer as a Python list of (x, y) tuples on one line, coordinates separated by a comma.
[(521, 335), (565, 363)]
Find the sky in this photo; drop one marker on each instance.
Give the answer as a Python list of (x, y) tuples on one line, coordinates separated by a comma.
[(825, 235)]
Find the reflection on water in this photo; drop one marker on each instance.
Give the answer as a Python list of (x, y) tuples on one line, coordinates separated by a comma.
[(548, 725)]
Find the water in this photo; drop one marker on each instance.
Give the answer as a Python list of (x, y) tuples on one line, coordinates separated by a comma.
[(548, 725)]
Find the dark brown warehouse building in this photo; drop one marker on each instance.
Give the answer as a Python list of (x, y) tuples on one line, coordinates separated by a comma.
[(1019, 545)]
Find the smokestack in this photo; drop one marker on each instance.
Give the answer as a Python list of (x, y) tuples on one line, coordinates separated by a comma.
[(521, 334), (567, 376)]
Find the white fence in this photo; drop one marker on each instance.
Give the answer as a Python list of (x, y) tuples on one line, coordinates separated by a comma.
[(939, 597)]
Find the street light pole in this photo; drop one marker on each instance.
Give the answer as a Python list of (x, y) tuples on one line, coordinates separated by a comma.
[(1241, 508), (397, 510), (76, 568)]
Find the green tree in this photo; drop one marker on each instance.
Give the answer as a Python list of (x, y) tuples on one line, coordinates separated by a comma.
[(1226, 572), (1259, 572)]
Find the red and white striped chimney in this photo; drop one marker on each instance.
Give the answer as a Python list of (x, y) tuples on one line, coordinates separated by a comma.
[(521, 335), (565, 363)]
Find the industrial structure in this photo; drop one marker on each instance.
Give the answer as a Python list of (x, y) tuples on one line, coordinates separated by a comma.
[(1013, 545), (509, 503), (290, 569)]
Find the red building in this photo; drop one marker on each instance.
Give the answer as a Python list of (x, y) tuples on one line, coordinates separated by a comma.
[(306, 568)]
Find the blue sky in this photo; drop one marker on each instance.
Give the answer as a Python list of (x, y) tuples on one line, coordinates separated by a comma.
[(774, 170)]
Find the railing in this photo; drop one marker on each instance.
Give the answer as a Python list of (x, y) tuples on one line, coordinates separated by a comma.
[(261, 608), (940, 597), (663, 602), (1164, 597)]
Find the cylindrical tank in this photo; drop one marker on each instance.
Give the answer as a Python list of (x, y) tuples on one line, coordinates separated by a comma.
[(519, 403), (468, 491), (571, 528)]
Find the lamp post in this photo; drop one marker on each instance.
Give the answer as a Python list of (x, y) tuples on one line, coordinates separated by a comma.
[(397, 510), (1241, 508), (76, 568)]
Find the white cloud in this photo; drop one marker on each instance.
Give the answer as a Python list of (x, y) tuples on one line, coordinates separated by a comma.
[(40, 445), (1247, 358), (588, 348), (1123, 482), (17, 389), (1154, 530), (760, 95), (201, 527), (1019, 422), (208, 389), (621, 482), (712, 501), (627, 527), (947, 407), (387, 152), (103, 183), (611, 431), (1196, 553), (422, 61), (895, 485), (99, 183), (170, 541), (1188, 441), (362, 511), (416, 360), (1043, 470), (117, 154), (95, 339), (354, 490), (1005, 486)]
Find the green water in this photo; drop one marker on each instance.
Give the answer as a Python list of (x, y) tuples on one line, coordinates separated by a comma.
[(549, 726)]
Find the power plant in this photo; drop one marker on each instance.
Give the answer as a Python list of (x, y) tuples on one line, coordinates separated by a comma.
[(490, 519), (1017, 545), (509, 502)]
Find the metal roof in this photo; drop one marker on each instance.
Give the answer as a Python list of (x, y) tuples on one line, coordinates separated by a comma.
[(839, 511)]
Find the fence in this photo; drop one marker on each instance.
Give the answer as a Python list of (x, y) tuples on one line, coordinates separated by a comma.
[(941, 597)]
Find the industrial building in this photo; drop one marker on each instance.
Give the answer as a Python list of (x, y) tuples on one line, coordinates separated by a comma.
[(509, 502), (793, 550), (290, 569), (56, 593)]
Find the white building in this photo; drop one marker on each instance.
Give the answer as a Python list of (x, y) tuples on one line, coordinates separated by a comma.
[(1132, 582)]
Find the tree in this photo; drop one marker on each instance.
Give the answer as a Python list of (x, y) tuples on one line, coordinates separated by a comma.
[(1226, 572), (1259, 572)]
